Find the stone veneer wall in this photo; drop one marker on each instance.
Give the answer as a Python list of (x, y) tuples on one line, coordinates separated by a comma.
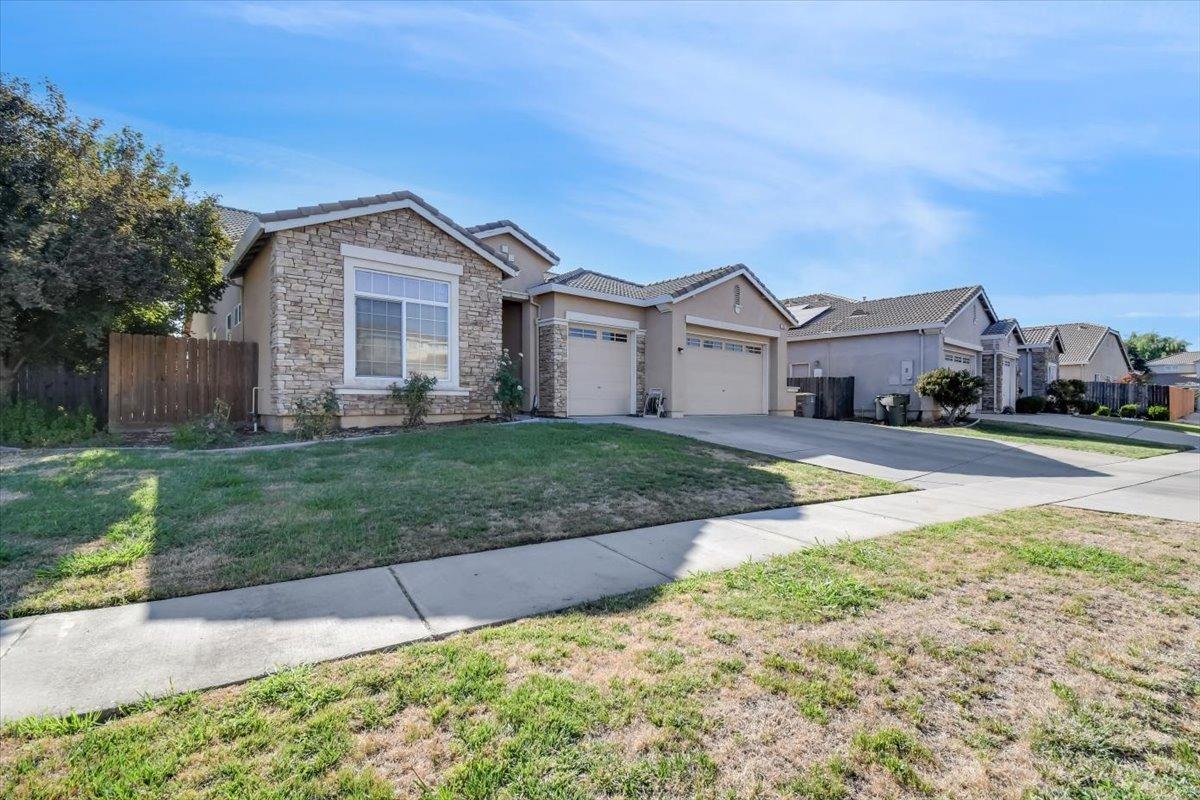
[(307, 343), (1039, 374), (641, 371), (552, 369), (992, 375)]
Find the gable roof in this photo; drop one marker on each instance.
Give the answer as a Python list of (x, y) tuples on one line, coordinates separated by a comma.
[(1186, 358), (489, 229), (1044, 336), (265, 223), (905, 312), (590, 283), (1081, 340), (234, 221), (1002, 327), (818, 299)]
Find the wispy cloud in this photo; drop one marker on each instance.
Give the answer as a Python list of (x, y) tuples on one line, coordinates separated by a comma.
[(728, 127)]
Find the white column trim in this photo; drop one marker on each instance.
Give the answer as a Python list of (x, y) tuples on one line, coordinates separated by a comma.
[(400, 259)]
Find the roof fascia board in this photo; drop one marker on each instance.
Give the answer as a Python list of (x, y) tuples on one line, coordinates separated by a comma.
[(787, 315), (379, 208), (249, 237), (595, 295), (931, 327), (520, 237)]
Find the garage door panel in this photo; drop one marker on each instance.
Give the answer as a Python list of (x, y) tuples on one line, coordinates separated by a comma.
[(723, 376), (598, 371)]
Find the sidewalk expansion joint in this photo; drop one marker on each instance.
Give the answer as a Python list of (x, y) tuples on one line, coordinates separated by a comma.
[(630, 558), (411, 601), (20, 636)]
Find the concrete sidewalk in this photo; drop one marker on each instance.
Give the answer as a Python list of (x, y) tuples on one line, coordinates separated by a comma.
[(1100, 425), (101, 658)]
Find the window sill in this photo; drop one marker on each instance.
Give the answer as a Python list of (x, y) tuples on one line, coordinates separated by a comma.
[(441, 391)]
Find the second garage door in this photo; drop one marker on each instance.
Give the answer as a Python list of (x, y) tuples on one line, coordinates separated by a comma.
[(599, 366), (724, 376)]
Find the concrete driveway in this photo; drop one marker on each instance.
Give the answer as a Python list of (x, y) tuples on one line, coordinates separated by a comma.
[(915, 457)]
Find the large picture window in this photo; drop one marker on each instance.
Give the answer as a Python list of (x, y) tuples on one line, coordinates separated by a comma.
[(401, 326)]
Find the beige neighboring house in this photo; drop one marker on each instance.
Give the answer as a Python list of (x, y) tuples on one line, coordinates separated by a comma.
[(1092, 353), (887, 343), (357, 294), (1175, 370), (1039, 359)]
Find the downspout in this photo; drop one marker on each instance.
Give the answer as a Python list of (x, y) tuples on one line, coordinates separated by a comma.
[(536, 363), (921, 370)]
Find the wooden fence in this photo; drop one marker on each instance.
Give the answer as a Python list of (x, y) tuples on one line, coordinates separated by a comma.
[(1181, 401), (160, 381), (1115, 395), (56, 385), (835, 396)]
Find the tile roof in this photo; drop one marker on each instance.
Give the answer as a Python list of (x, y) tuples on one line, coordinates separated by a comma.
[(508, 223), (1000, 327), (818, 299), (1040, 334), (234, 221), (1186, 358), (607, 284), (1080, 340), (910, 310)]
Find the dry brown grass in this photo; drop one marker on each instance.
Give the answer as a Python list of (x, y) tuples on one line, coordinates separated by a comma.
[(982, 659)]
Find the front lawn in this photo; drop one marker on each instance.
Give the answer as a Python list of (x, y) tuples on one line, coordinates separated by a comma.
[(1071, 440), (1042, 653), (105, 527)]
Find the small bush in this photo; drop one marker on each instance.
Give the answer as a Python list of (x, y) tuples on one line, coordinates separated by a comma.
[(1128, 411), (1066, 394), (211, 430), (316, 416), (1158, 413), (414, 395), (1085, 406), (24, 423), (1103, 411), (1030, 405), (954, 391), (509, 391)]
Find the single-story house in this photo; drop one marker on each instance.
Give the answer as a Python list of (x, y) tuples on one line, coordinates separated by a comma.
[(1039, 359), (887, 343), (1175, 370), (999, 365), (355, 295), (1092, 353)]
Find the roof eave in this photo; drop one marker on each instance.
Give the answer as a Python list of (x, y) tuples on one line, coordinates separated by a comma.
[(520, 237)]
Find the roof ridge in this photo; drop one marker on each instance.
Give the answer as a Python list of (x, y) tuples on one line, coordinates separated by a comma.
[(696, 274), (974, 287)]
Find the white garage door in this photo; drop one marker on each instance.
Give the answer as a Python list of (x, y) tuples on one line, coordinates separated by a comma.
[(599, 369), (724, 376)]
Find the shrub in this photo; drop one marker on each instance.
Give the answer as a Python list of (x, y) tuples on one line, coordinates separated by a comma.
[(25, 423), (954, 391), (509, 391), (414, 394), (1030, 405), (1103, 411), (315, 416), (1158, 413), (1128, 411), (211, 430), (1085, 406), (1066, 394)]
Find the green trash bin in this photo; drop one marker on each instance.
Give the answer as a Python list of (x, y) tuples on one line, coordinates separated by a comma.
[(896, 406)]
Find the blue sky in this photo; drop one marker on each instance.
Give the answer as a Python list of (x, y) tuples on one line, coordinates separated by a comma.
[(1050, 152)]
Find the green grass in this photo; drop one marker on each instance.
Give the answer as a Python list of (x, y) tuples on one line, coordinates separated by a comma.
[(1019, 433), (724, 685), (105, 527), (1177, 425)]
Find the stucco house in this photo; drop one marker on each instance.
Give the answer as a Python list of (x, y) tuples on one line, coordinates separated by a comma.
[(1038, 366), (999, 365), (1175, 370), (887, 343), (1092, 353), (357, 294)]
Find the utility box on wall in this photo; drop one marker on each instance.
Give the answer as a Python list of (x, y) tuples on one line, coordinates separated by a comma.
[(906, 371)]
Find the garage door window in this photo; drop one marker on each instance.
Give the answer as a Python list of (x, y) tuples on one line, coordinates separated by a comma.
[(959, 361), (754, 349), (583, 333), (610, 336), (693, 341)]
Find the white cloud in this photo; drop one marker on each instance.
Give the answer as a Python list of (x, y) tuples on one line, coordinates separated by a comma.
[(730, 126)]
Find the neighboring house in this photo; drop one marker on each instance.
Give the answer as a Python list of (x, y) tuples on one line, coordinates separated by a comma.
[(886, 344), (355, 295), (1177, 369), (1092, 353), (999, 365), (1039, 359)]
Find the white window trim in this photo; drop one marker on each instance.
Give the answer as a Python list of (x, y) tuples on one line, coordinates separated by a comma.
[(396, 264)]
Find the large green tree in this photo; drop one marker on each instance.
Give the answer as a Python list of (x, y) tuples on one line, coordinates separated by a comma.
[(97, 233), (1143, 347)]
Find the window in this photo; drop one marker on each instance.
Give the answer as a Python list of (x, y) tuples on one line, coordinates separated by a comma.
[(958, 361), (693, 341), (401, 326), (237, 315), (229, 321), (582, 333), (610, 336), (1052, 372), (734, 347), (711, 344), (754, 349)]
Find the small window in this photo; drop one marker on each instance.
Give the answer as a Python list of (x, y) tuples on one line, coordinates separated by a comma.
[(754, 349), (737, 296), (693, 341), (229, 322), (609, 336), (711, 344), (237, 315), (582, 333), (734, 347)]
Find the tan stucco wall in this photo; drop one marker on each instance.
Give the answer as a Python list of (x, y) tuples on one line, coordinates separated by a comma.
[(532, 266), (1106, 362), (969, 323)]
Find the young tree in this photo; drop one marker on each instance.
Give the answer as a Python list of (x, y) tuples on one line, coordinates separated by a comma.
[(97, 233), (1143, 347), (954, 391)]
